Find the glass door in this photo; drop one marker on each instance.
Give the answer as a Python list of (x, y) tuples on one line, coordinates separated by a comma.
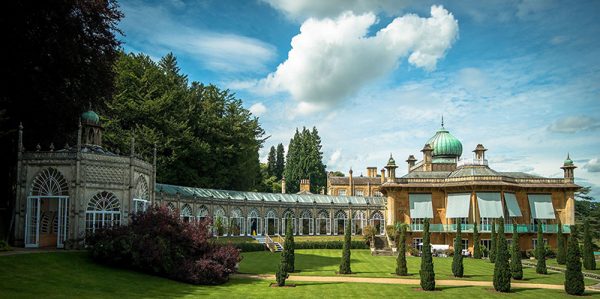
[(32, 223), (63, 216)]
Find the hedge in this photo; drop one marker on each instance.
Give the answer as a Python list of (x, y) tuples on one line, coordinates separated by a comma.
[(330, 245)]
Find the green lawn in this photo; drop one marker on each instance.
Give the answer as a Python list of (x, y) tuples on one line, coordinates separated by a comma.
[(73, 275), (553, 263), (324, 238), (324, 262)]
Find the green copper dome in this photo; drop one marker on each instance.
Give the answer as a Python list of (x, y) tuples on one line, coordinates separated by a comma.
[(445, 145), (391, 161), (90, 117), (568, 161)]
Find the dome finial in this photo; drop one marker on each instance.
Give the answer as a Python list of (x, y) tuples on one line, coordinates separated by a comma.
[(442, 120)]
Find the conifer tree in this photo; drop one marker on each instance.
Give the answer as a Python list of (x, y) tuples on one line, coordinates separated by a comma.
[(457, 260), (561, 255), (401, 268), (282, 273), (305, 161), (589, 263), (271, 162), (288, 247), (493, 243), (279, 161), (501, 267), (540, 252), (516, 267), (476, 245), (345, 263), (574, 284), (427, 274)]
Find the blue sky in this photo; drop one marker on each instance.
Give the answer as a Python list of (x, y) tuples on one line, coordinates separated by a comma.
[(375, 77)]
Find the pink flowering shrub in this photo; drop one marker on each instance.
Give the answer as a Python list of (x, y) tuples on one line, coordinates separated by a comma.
[(160, 243)]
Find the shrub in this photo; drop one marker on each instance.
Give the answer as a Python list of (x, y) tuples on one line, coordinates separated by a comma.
[(4, 246), (501, 268), (550, 253), (288, 247), (561, 256), (329, 245), (426, 273), (457, 260), (401, 268), (516, 267), (413, 251), (493, 243), (177, 250), (345, 263), (589, 263), (369, 232), (574, 284), (476, 246), (540, 252), (449, 252), (391, 232)]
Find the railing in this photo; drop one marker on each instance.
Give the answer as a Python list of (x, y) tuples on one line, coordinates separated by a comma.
[(508, 228), (270, 243)]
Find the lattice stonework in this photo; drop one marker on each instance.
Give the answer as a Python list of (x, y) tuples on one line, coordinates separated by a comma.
[(104, 201), (102, 174), (49, 182), (141, 189)]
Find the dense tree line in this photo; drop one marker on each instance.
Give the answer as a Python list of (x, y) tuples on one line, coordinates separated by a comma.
[(58, 59), (305, 161), (204, 136)]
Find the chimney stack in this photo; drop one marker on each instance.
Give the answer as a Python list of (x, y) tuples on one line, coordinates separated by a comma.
[(283, 185), (351, 182), (305, 185), (427, 157), (383, 175), (411, 162), (372, 172)]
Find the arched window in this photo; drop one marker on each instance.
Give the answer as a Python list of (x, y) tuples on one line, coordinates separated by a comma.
[(103, 210), (288, 214), (306, 223), (141, 198), (236, 222), (254, 222), (202, 212), (378, 222), (323, 223), (49, 182), (171, 207), (186, 213), (339, 222), (219, 221), (359, 221), (271, 223)]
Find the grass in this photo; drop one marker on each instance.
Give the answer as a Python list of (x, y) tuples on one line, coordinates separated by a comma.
[(226, 240), (324, 262), (325, 238), (73, 275), (553, 263)]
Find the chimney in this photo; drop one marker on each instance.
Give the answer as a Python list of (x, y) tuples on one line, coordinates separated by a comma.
[(305, 185), (480, 152), (283, 185), (383, 175), (351, 182), (372, 172), (427, 157), (411, 162), (568, 169)]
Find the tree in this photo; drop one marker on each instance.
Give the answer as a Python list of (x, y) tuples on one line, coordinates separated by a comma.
[(476, 245), (305, 161), (561, 255), (589, 263), (457, 259), (493, 243), (345, 263), (279, 162), (502, 271), (516, 267), (401, 268), (282, 273), (426, 273), (540, 252), (288, 246), (574, 284), (60, 61), (271, 162), (219, 227)]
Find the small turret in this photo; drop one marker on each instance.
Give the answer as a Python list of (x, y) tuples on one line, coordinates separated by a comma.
[(568, 169), (391, 169), (480, 152), (92, 129)]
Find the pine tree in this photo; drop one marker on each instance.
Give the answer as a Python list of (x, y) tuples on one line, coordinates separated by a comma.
[(501, 267), (305, 161), (427, 274), (516, 267), (540, 252), (476, 245), (279, 161), (493, 243), (574, 284), (288, 247), (457, 260), (589, 263), (401, 268), (561, 255), (271, 162), (345, 263)]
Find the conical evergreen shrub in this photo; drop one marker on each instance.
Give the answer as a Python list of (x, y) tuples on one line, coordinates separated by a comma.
[(574, 284), (501, 267), (401, 268), (476, 245), (589, 263), (561, 254), (540, 252), (282, 273), (288, 247), (493, 243), (457, 260), (427, 274), (345, 263), (516, 267)]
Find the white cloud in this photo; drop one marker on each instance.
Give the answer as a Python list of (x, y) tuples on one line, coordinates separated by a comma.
[(303, 9), (592, 165), (335, 156), (258, 109), (332, 59), (157, 34), (573, 124)]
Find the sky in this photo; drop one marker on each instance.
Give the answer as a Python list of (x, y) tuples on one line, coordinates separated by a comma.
[(375, 77)]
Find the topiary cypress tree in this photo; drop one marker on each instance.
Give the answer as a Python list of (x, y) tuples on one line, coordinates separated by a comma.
[(345, 263), (288, 247), (501, 267), (476, 245), (516, 267), (457, 260), (589, 263), (282, 274), (427, 274), (561, 254), (493, 243), (401, 268), (574, 284), (540, 252)]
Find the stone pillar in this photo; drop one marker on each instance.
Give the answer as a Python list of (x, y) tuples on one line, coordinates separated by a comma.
[(427, 157)]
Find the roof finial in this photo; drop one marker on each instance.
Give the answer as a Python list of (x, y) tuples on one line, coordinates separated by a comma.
[(442, 120), (568, 156)]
